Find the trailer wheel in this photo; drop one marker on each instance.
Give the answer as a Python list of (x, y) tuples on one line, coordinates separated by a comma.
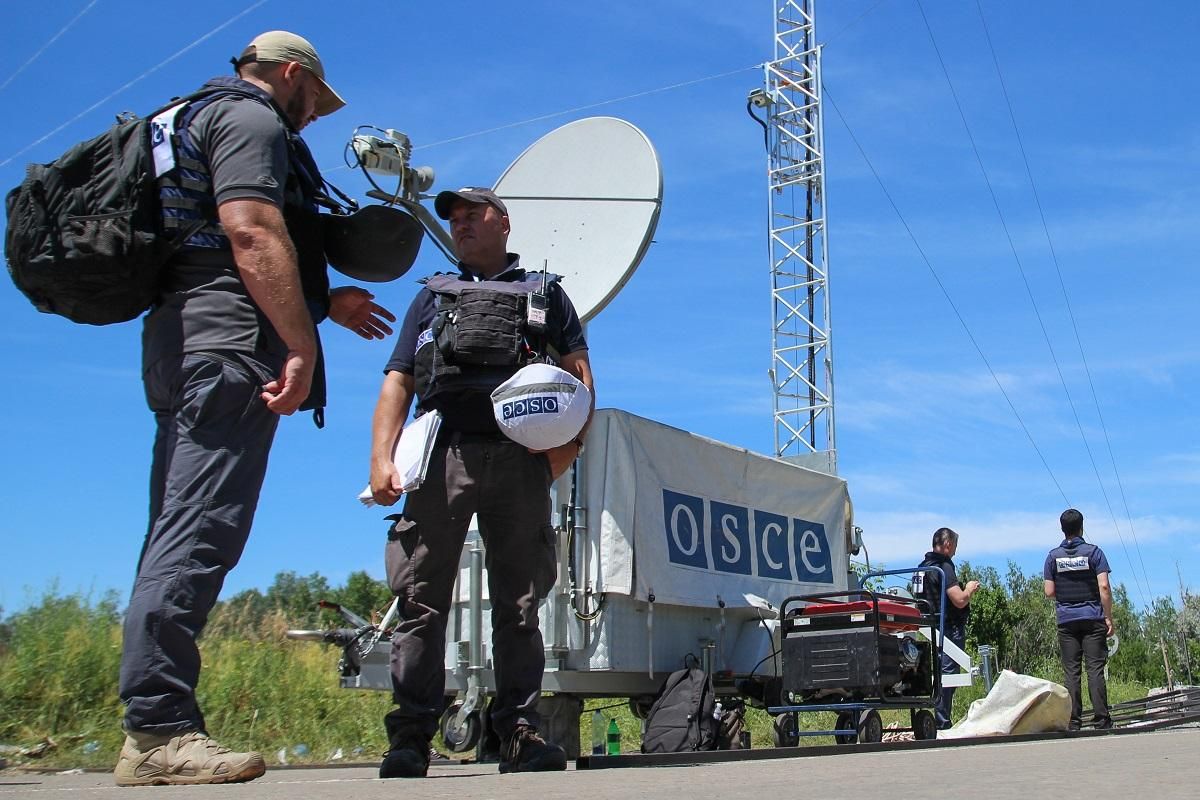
[(785, 730), (845, 722), (460, 738), (924, 725), (870, 728)]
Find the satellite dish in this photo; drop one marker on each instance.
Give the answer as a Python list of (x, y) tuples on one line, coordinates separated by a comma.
[(585, 198)]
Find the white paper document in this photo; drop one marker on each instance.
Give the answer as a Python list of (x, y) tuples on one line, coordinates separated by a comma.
[(412, 452)]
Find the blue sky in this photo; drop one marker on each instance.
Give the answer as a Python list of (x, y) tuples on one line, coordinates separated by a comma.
[(1103, 94)]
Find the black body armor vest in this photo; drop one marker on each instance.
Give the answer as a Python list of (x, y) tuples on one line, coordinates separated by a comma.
[(482, 333)]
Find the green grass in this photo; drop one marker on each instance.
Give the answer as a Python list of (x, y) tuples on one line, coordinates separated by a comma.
[(58, 679)]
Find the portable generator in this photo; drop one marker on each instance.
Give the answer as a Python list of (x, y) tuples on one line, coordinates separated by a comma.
[(856, 646)]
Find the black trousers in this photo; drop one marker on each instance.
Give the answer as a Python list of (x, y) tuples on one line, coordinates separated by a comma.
[(508, 488), (214, 433), (956, 631), (1079, 641)]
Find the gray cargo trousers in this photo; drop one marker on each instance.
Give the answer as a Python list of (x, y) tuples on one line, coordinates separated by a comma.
[(213, 436), (509, 489)]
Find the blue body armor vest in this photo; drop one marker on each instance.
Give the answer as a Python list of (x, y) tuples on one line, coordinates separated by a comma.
[(187, 196)]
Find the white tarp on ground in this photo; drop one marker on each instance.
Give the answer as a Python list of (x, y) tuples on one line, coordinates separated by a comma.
[(696, 522), (1016, 704)]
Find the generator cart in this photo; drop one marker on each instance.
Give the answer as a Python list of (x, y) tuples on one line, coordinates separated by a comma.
[(856, 653)]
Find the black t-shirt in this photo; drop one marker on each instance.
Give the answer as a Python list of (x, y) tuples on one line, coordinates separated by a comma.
[(204, 304), (934, 584)]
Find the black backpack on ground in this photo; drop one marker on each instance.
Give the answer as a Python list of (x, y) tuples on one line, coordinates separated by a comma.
[(681, 719), (85, 236)]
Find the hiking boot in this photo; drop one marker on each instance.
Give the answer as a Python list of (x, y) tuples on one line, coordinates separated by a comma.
[(406, 758), (186, 758), (525, 751)]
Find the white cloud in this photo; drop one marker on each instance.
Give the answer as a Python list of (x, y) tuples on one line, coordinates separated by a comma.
[(901, 537)]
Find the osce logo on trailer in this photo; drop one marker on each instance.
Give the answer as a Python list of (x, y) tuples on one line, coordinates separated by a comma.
[(546, 404), (744, 541)]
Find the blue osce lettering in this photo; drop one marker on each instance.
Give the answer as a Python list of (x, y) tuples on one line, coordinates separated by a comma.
[(742, 541), (530, 405)]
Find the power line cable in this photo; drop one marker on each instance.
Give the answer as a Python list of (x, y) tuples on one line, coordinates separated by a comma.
[(564, 112), (1024, 277), (46, 46), (144, 75), (945, 292), (854, 21), (589, 106), (1066, 299)]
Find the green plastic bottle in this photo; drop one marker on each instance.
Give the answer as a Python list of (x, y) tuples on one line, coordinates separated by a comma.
[(613, 739)]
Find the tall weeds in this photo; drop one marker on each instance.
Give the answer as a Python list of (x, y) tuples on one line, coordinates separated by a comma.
[(258, 690)]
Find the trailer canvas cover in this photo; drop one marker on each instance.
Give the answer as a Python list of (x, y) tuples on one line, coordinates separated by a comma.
[(696, 522)]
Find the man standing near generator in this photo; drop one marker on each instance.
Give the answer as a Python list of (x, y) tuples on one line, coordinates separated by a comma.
[(928, 585), (1076, 578)]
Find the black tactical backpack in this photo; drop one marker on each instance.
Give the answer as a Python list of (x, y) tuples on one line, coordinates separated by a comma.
[(681, 719), (85, 236)]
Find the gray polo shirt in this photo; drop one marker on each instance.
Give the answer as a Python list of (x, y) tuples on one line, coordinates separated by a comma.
[(204, 304)]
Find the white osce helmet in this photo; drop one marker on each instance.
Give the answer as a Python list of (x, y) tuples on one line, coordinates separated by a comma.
[(541, 406)]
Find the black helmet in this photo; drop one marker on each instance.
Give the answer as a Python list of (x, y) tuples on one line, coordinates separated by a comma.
[(375, 244)]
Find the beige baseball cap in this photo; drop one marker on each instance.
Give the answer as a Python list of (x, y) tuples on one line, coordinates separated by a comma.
[(282, 47)]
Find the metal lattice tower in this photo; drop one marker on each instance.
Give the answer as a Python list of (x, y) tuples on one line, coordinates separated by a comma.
[(801, 356)]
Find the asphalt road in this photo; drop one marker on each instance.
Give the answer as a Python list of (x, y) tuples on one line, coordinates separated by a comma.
[(1161, 764)]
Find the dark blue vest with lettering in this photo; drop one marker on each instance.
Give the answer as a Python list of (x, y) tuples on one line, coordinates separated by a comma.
[(1074, 579)]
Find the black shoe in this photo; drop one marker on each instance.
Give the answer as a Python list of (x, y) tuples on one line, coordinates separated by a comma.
[(525, 751), (406, 759)]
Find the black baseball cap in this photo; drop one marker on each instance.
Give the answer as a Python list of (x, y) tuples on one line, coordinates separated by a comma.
[(471, 194)]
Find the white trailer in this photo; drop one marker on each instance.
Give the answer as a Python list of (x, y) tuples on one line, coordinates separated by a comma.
[(673, 544)]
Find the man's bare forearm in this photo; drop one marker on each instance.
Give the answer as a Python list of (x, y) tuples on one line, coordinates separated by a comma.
[(266, 261)]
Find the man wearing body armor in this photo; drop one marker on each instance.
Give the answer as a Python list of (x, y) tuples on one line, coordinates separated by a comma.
[(229, 345), (463, 336), (928, 586), (1076, 577)]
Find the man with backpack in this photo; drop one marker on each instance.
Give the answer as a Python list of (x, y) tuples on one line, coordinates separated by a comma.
[(451, 355), (929, 587), (229, 345), (1076, 578)]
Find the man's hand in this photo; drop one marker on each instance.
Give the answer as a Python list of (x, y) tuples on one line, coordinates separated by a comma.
[(972, 587), (385, 483), (353, 308), (561, 457), (1108, 626), (395, 396), (285, 394)]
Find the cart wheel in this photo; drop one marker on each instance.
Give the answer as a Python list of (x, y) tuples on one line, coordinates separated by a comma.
[(640, 707), (870, 728), (463, 737), (923, 724), (845, 722), (785, 731)]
